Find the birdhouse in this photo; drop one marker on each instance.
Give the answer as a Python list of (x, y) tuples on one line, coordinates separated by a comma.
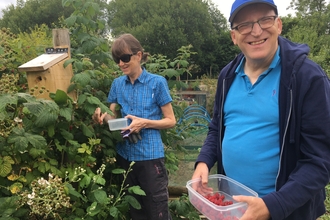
[(46, 73)]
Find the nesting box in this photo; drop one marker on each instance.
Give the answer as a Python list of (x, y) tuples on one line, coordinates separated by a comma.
[(46, 73)]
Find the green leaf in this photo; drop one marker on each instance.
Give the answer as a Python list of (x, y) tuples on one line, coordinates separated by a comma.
[(82, 79), (101, 196), (56, 171), (136, 190), (8, 159), (5, 168), (21, 139), (34, 152), (36, 141), (47, 166), (68, 62), (78, 66), (118, 171), (61, 97), (41, 167), (93, 209), (114, 212), (84, 37), (66, 113), (51, 130), (7, 99), (66, 3), (16, 187), (73, 192), (132, 201), (53, 162), (85, 181), (100, 181), (66, 135), (93, 100), (70, 21), (20, 143), (170, 73), (46, 118), (81, 99), (87, 131), (81, 150)]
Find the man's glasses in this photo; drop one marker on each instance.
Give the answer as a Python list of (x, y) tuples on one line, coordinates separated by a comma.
[(264, 23), (125, 58)]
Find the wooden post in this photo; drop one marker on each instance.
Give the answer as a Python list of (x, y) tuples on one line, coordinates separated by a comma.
[(61, 39)]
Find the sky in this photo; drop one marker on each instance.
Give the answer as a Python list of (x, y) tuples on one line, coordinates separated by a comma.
[(223, 5)]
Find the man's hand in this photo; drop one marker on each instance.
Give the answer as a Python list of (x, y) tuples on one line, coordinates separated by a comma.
[(202, 172), (257, 209)]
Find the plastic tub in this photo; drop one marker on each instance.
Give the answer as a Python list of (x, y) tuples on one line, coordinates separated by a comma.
[(117, 124), (225, 186)]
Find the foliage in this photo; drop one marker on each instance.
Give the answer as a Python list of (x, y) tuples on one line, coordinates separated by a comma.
[(326, 216), (210, 85), (164, 26), (87, 27), (16, 50), (182, 207), (57, 139), (200, 24), (27, 14), (311, 26)]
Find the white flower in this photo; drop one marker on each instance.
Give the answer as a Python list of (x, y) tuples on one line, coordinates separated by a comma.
[(31, 196), (18, 120)]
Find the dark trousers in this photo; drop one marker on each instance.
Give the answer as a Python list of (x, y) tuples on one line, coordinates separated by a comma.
[(151, 176)]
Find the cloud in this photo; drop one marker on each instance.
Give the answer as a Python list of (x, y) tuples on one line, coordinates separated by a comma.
[(5, 4)]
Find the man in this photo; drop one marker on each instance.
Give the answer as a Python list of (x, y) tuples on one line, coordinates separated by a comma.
[(271, 124), (145, 100)]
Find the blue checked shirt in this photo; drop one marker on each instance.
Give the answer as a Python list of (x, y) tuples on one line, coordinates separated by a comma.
[(142, 99)]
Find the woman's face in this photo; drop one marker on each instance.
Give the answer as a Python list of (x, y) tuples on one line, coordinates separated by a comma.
[(129, 63)]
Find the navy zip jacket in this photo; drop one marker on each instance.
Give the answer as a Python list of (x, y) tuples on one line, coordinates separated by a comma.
[(304, 119)]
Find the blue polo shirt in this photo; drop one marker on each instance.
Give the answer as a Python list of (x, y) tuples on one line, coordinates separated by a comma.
[(142, 99), (251, 144)]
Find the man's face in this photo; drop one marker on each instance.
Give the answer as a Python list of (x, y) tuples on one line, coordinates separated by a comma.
[(260, 44)]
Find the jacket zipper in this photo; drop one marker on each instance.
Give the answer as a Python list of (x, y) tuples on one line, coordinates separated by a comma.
[(283, 140), (221, 113)]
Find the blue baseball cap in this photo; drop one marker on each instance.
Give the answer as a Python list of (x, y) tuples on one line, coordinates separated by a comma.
[(239, 4)]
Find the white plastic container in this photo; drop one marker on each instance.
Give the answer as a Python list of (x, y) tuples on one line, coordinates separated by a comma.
[(117, 124), (225, 186)]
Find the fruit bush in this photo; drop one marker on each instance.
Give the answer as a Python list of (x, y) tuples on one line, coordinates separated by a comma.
[(55, 163)]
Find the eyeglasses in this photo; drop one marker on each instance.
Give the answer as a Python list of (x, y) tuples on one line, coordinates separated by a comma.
[(125, 58), (264, 23)]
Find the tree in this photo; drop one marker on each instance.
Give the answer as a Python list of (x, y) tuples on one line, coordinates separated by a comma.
[(164, 26), (311, 26), (28, 14)]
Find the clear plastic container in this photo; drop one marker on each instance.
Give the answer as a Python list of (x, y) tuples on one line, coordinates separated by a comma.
[(225, 186), (117, 124)]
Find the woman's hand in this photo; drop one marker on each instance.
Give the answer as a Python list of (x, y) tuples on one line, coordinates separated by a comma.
[(98, 116)]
